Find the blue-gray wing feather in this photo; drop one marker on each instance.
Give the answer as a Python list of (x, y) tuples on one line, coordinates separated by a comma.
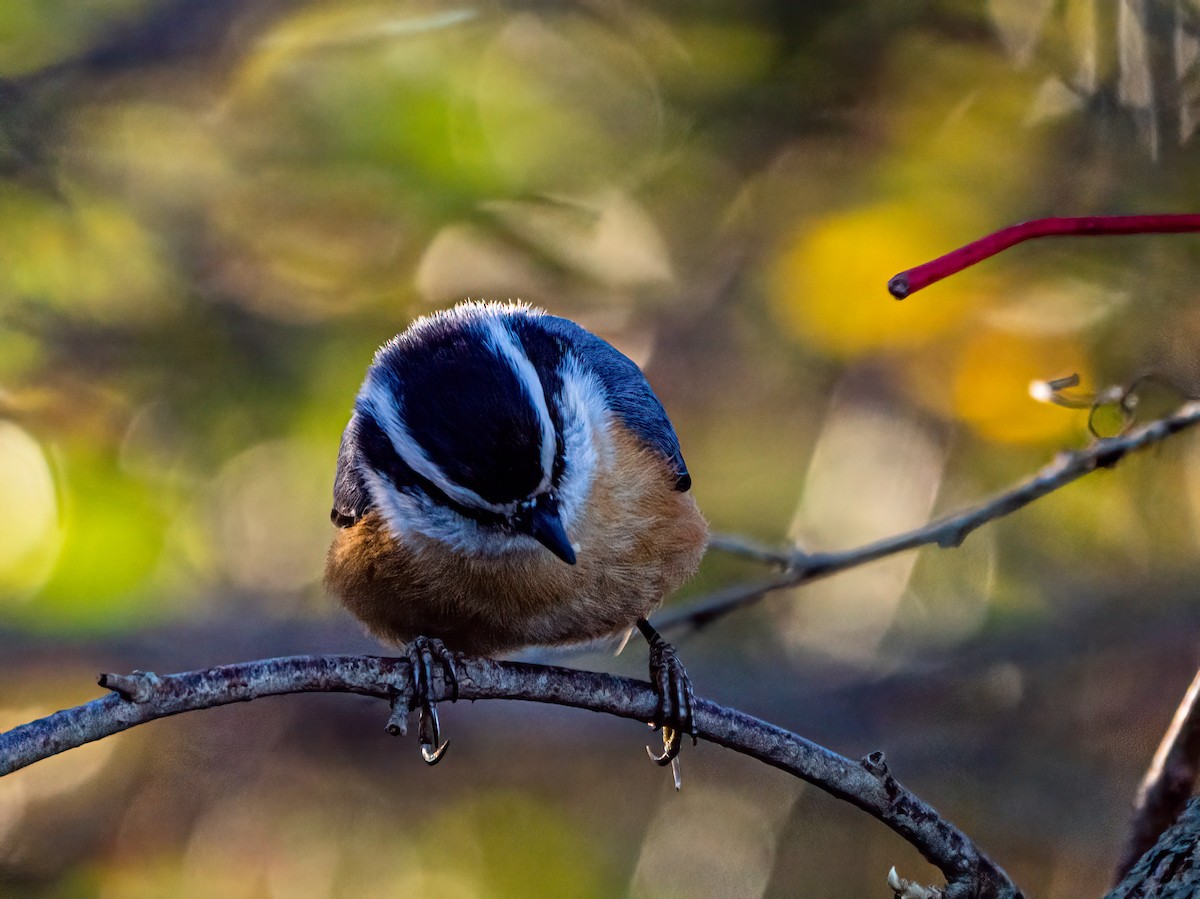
[(631, 396), (350, 497)]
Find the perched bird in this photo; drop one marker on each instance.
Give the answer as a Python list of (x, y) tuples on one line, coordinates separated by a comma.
[(509, 479)]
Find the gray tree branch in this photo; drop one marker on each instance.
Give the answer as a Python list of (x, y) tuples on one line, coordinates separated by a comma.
[(1168, 782), (868, 784), (800, 567), (1171, 868)]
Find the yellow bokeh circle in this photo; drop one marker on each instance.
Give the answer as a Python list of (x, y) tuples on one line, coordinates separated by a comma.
[(29, 519), (829, 286)]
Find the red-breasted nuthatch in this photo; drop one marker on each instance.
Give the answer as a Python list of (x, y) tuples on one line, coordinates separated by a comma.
[(509, 479)]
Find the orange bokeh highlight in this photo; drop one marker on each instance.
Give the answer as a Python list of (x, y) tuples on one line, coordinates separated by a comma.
[(991, 385)]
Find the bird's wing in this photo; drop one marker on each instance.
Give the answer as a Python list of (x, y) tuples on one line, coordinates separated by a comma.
[(628, 391), (350, 497)]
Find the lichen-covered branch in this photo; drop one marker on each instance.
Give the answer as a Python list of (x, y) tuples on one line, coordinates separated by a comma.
[(1168, 782), (868, 784), (1170, 869), (800, 567)]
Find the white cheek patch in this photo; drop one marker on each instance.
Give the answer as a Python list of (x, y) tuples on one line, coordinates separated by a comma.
[(407, 515), (586, 442), (381, 402), (399, 510)]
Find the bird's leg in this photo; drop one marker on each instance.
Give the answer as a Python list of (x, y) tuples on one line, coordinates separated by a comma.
[(674, 688), (421, 654)]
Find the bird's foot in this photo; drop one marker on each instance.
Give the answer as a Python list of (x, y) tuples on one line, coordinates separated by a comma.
[(674, 688), (421, 654)]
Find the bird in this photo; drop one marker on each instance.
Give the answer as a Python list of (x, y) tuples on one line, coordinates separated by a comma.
[(507, 479)]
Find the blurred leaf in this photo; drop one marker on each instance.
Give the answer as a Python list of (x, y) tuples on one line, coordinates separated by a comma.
[(387, 101), (958, 117), (566, 109), (607, 237), (88, 254), (29, 517), (488, 838), (706, 59), (113, 530), (284, 550), (36, 33)]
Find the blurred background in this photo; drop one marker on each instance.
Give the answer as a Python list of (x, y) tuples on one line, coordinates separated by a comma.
[(212, 213)]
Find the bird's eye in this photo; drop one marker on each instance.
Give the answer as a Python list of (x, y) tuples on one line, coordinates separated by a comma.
[(528, 508)]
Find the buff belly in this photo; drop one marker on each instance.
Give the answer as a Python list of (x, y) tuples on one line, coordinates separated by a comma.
[(638, 541)]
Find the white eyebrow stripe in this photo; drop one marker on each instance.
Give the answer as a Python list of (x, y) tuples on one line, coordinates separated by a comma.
[(382, 404), (509, 348)]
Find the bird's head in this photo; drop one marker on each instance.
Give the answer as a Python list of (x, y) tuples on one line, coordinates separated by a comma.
[(479, 429)]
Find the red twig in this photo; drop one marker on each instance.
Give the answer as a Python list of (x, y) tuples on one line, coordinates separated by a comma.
[(908, 282)]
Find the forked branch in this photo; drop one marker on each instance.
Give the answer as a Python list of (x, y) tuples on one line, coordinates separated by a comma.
[(800, 567), (1169, 780)]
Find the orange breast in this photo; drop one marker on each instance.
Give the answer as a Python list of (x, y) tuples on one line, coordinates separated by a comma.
[(638, 540)]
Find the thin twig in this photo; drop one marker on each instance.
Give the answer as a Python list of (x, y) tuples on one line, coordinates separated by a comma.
[(749, 548), (909, 282), (1168, 783), (802, 567), (867, 784)]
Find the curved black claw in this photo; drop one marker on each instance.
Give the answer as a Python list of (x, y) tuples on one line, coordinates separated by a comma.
[(421, 654), (674, 712), (429, 735)]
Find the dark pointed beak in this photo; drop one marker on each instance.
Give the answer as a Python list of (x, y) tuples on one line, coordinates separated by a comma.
[(546, 527)]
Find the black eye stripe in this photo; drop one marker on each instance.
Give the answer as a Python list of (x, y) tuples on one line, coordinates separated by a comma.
[(381, 455), (468, 409)]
